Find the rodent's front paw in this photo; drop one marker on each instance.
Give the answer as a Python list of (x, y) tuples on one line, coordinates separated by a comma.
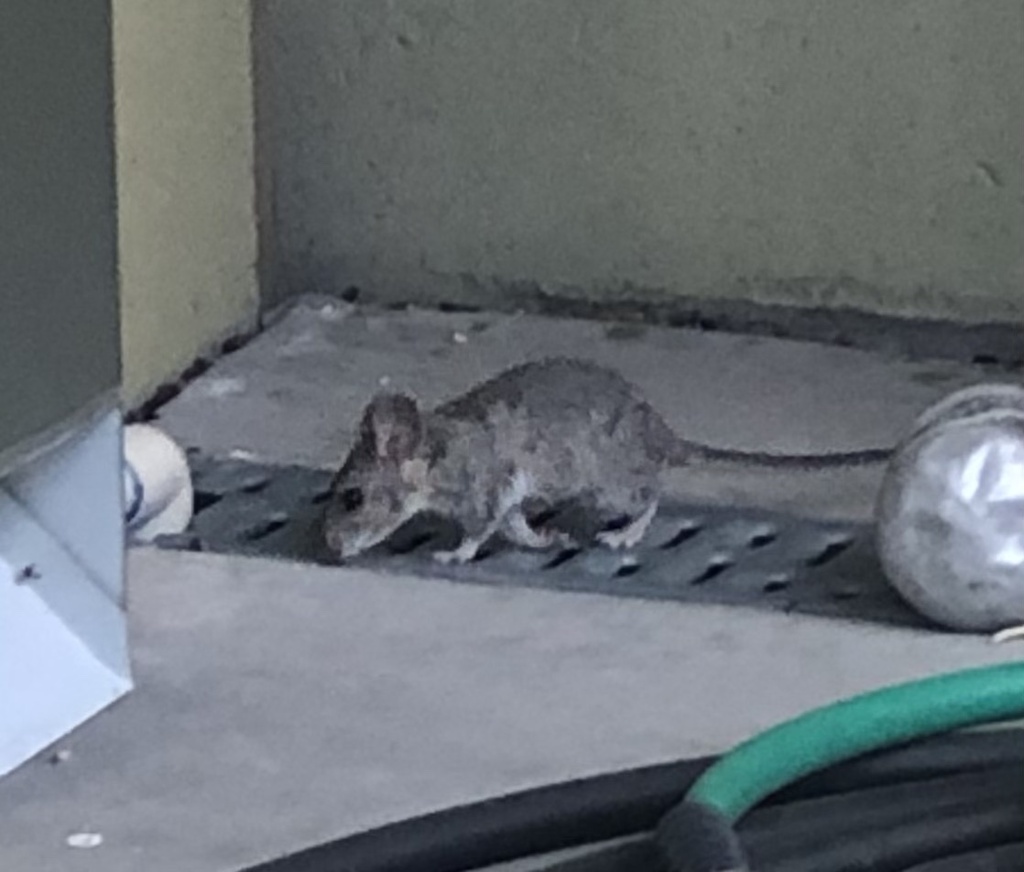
[(449, 557)]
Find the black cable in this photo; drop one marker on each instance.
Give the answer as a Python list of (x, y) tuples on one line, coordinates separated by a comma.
[(697, 838), (888, 829), (1004, 858), (597, 809), (535, 821), (840, 832), (882, 833), (641, 854), (968, 751), (784, 825)]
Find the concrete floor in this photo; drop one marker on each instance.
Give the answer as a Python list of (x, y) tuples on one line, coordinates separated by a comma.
[(278, 705)]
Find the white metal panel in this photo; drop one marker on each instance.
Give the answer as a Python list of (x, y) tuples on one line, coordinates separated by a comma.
[(63, 630), (77, 489)]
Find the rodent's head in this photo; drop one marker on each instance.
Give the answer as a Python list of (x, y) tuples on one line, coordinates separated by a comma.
[(383, 481)]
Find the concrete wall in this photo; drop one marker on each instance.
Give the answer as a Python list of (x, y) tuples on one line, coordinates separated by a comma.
[(859, 152), (184, 116)]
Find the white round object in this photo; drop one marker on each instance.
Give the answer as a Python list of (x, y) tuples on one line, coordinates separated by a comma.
[(157, 483), (970, 402), (950, 514)]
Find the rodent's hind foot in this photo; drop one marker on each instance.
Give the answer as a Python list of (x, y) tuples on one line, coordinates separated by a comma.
[(517, 531), (466, 551), (447, 558), (470, 546), (630, 535)]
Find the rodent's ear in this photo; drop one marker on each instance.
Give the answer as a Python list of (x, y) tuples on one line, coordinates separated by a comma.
[(393, 426)]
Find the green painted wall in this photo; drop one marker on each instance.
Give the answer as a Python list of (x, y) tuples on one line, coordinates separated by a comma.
[(186, 185), (58, 221), (862, 152)]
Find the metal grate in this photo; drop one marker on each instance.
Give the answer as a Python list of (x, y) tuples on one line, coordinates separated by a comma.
[(692, 553)]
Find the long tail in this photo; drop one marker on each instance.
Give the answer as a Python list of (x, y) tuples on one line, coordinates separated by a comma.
[(696, 453)]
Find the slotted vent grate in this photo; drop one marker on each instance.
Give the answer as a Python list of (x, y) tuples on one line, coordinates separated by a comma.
[(692, 553)]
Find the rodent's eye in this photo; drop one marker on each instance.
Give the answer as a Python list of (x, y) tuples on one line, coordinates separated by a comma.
[(351, 499)]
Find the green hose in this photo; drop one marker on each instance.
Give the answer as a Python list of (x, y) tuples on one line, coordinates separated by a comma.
[(824, 737)]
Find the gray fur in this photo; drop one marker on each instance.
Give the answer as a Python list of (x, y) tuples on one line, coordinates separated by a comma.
[(558, 436)]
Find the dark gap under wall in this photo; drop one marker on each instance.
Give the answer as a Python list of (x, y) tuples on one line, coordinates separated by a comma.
[(999, 347)]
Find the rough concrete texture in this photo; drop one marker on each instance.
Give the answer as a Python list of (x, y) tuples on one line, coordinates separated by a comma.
[(296, 393), (279, 705), (186, 185), (856, 153)]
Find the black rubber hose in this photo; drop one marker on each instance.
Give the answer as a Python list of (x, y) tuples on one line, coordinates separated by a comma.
[(596, 809), (641, 854), (886, 833), (851, 832), (534, 821), (917, 761), (908, 844), (869, 808), (693, 837), (1004, 858)]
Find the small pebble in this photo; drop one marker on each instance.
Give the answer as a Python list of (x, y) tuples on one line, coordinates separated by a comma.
[(241, 454), (218, 388), (333, 312), (61, 756), (85, 840), (384, 381), (460, 338)]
